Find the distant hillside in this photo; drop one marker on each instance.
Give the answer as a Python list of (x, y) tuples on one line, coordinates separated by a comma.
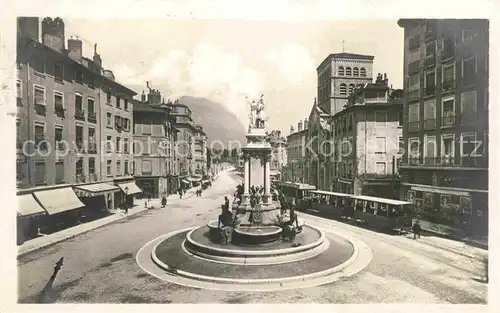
[(218, 123)]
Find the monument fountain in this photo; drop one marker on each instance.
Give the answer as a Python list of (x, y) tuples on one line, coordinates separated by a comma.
[(249, 250)]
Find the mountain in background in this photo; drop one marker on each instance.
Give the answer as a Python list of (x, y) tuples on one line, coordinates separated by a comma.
[(217, 121)]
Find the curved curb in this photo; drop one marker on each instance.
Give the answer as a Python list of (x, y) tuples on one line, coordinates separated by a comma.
[(262, 253), (145, 261), (236, 281)]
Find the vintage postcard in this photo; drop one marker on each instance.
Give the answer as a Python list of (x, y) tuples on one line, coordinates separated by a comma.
[(263, 158)]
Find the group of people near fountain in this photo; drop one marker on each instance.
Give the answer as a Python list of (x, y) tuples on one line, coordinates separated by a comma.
[(288, 219)]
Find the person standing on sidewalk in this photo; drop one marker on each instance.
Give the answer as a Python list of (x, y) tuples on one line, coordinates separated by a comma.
[(163, 202), (416, 230)]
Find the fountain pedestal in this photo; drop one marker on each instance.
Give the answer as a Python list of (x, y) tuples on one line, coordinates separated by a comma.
[(257, 156)]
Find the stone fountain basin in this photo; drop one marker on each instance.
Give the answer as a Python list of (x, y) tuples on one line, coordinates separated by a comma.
[(256, 235), (312, 242)]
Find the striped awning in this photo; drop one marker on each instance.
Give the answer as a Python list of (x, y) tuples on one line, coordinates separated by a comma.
[(185, 181), (195, 179), (132, 188), (29, 207), (58, 200), (93, 190)]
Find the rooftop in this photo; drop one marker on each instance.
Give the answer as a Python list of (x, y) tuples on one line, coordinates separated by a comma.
[(345, 55)]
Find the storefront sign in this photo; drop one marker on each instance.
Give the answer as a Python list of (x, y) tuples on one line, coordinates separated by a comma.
[(448, 191)]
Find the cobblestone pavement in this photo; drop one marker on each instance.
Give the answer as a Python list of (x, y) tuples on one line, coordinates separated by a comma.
[(100, 266)]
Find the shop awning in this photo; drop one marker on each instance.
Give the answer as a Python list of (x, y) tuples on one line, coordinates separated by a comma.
[(195, 179), (93, 190), (185, 181), (28, 206), (132, 188), (58, 200)]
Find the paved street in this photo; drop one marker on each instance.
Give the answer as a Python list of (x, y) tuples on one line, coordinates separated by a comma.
[(100, 266)]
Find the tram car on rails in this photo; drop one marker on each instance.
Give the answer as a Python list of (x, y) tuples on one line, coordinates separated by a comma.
[(296, 193), (383, 214), (331, 204)]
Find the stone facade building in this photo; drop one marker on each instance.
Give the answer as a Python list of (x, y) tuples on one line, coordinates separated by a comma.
[(445, 169), (154, 138), (367, 133), (296, 155)]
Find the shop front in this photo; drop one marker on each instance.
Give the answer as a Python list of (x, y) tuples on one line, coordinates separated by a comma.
[(149, 186), (128, 189), (63, 207), (30, 215), (98, 198)]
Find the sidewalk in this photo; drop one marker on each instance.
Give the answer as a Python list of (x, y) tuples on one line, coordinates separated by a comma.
[(451, 245), (48, 240)]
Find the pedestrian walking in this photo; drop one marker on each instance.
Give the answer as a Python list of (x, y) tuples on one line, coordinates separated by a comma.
[(163, 202), (180, 193), (416, 230)]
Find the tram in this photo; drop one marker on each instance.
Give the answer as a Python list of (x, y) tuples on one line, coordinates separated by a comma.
[(296, 193), (331, 204), (383, 214)]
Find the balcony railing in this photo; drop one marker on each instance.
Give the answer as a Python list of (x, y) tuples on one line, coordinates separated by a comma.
[(414, 41), (414, 126), (60, 145), (92, 148), (19, 144), (469, 119), (92, 175), (448, 54), (414, 67), (41, 144), (449, 161), (80, 114), (430, 91), (448, 85), (430, 60), (80, 177), (429, 124), (92, 117), (448, 121), (80, 145), (413, 95), (59, 111), (469, 80)]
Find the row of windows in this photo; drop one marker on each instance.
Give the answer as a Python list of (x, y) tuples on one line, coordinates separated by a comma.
[(121, 123), (352, 72), (448, 79), (41, 171), (40, 98), (40, 67), (468, 106), (469, 146), (343, 89)]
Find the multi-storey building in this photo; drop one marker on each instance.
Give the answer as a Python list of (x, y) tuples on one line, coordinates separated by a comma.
[(278, 154), (185, 141), (445, 168), (338, 75), (318, 148), (295, 146), (200, 151), (366, 135), (60, 127), (154, 139)]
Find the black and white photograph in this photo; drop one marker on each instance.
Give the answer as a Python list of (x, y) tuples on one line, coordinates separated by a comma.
[(190, 158)]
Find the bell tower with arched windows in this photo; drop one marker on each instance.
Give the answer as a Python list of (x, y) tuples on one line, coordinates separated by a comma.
[(338, 75)]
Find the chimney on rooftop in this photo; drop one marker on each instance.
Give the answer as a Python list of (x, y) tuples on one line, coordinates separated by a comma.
[(53, 33), (291, 129), (97, 58), (299, 126), (143, 97), (75, 49), (305, 124)]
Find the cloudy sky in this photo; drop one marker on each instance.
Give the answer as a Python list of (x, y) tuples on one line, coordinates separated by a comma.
[(227, 60)]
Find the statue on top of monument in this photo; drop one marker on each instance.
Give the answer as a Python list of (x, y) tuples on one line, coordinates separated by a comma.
[(261, 113), (253, 113)]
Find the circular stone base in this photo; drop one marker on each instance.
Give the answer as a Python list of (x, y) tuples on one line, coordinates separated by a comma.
[(185, 270), (310, 243)]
